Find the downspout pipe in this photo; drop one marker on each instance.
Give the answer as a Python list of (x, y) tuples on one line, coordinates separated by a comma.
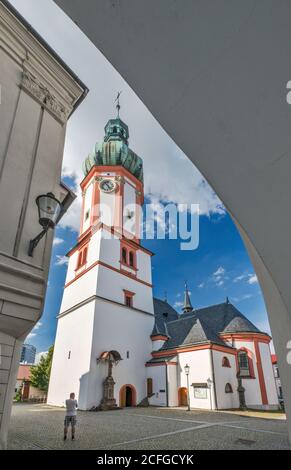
[(213, 379)]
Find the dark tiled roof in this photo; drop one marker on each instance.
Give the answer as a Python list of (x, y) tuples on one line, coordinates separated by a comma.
[(199, 326), (155, 360), (164, 313)]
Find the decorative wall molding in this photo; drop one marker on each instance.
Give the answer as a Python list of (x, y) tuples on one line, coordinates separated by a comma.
[(40, 92)]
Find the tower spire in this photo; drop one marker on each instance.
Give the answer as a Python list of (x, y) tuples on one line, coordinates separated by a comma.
[(117, 102), (165, 296), (187, 307)]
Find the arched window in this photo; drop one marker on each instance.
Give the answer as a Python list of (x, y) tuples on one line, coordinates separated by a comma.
[(124, 255), (245, 363), (225, 362), (228, 388), (84, 261), (131, 258)]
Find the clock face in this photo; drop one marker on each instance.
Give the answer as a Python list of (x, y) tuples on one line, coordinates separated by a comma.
[(107, 186)]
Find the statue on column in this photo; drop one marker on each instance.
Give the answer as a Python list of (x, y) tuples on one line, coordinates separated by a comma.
[(241, 394), (108, 401)]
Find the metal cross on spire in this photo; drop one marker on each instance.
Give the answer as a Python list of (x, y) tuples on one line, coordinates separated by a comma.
[(118, 104)]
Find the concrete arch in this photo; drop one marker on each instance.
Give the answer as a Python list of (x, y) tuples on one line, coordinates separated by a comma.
[(224, 104)]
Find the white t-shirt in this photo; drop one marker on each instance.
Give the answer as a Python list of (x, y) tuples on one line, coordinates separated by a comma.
[(71, 406)]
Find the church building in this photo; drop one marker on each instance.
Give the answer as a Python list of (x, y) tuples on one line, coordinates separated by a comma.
[(118, 346)]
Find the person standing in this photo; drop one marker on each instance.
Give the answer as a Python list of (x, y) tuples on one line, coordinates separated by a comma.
[(71, 416)]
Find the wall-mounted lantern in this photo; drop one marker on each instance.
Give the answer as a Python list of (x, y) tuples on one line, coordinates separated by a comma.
[(49, 209)]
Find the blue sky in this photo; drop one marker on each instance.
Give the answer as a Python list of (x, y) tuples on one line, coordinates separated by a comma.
[(220, 266)]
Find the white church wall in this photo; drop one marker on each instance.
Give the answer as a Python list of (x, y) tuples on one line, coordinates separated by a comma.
[(81, 289), (157, 344), (268, 375), (127, 331), (73, 259), (144, 266), (158, 376), (128, 200), (108, 206), (72, 355), (253, 395), (200, 371), (172, 383), (224, 375), (111, 284), (109, 250)]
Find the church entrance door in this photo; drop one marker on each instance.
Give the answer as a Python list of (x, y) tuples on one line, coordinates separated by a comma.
[(127, 396), (182, 396)]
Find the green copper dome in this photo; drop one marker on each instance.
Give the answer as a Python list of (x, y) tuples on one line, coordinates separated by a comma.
[(114, 150)]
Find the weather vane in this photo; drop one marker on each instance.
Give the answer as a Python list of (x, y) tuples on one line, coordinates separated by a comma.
[(118, 104)]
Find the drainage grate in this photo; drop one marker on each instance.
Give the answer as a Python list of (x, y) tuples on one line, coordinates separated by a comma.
[(245, 442)]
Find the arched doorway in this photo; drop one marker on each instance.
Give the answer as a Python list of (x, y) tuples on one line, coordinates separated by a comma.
[(182, 396), (127, 396)]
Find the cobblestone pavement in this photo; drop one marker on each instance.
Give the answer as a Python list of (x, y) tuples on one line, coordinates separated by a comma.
[(40, 427)]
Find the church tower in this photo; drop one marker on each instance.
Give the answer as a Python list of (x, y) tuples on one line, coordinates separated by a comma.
[(107, 302)]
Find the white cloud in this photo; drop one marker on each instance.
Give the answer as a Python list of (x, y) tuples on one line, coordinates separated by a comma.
[(61, 260), (240, 278), (243, 297), (58, 241), (39, 355), (219, 276), (169, 174), (253, 279), (219, 272), (201, 285), (30, 335), (178, 304), (33, 333), (249, 278)]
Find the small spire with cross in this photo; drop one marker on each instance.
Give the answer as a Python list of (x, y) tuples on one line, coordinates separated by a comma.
[(118, 103), (187, 306), (165, 296)]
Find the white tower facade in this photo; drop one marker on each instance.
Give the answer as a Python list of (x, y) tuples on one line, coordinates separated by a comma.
[(107, 302)]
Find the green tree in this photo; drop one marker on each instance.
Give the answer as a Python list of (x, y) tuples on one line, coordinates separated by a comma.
[(40, 374)]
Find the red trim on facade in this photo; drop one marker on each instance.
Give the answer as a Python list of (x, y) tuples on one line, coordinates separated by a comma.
[(159, 337), (261, 374), (95, 209), (98, 170), (109, 267), (168, 363), (215, 347), (91, 230), (262, 337)]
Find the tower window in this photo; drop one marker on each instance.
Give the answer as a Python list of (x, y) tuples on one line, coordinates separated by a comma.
[(69, 355), (82, 258), (225, 362), (87, 214), (245, 363), (114, 129), (128, 301), (127, 354), (131, 258), (228, 388), (124, 255), (128, 298)]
